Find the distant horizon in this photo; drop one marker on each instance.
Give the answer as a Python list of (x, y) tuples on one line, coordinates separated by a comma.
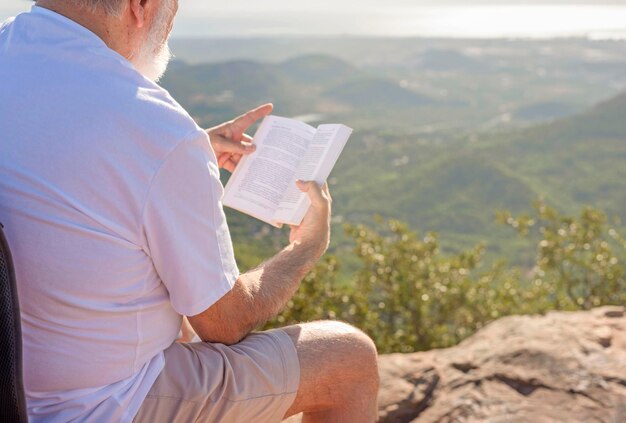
[(618, 38), (540, 20)]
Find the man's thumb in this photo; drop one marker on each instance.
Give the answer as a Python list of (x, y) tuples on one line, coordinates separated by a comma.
[(311, 188)]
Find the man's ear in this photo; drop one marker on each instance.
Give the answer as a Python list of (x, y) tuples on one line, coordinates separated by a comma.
[(138, 11)]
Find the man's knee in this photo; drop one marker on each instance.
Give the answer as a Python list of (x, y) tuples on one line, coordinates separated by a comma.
[(354, 343), (340, 348), (338, 367), (341, 335), (359, 355)]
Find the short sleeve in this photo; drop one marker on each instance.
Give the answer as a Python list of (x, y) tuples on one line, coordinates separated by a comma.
[(185, 228)]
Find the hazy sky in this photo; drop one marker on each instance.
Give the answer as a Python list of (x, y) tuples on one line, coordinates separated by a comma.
[(480, 18)]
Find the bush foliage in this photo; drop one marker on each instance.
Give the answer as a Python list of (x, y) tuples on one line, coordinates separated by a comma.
[(409, 296)]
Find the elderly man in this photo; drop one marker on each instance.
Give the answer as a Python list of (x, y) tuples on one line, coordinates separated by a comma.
[(110, 196)]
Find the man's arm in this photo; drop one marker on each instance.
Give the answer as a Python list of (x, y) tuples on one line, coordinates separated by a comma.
[(261, 293)]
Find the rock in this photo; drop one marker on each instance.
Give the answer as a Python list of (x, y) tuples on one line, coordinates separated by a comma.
[(407, 388), (561, 367)]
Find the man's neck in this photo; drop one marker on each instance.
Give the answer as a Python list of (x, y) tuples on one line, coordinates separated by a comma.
[(112, 30)]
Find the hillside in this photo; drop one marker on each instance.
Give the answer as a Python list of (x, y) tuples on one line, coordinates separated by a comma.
[(575, 161), (302, 85), (440, 162), (455, 189), (376, 93)]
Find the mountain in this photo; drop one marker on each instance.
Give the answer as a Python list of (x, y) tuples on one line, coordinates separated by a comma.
[(376, 93), (318, 68), (444, 60), (302, 85), (605, 121), (542, 111), (575, 161), (419, 155), (455, 188)]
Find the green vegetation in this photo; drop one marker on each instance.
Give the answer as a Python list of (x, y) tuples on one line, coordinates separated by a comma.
[(410, 296), (581, 261), (442, 136), (447, 132)]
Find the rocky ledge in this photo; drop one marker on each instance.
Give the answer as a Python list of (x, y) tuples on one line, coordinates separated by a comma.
[(561, 367)]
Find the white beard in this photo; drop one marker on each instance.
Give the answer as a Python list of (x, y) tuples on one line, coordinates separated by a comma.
[(155, 54), (153, 64)]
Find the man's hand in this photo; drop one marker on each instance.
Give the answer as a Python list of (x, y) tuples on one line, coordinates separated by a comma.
[(260, 294), (229, 140), (314, 231)]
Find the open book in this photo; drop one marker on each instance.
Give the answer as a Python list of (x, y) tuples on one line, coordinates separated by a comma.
[(264, 182)]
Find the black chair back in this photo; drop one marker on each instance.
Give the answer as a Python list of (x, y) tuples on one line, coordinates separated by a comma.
[(12, 402)]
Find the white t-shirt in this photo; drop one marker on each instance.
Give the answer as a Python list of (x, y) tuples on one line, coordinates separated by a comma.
[(111, 201)]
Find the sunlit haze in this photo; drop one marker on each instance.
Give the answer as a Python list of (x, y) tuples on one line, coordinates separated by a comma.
[(459, 19)]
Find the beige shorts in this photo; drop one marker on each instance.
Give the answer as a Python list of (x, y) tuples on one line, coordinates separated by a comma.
[(253, 381)]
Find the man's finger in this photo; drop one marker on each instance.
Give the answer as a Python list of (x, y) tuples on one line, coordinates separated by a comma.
[(230, 166), (225, 145), (236, 158), (313, 190), (243, 122)]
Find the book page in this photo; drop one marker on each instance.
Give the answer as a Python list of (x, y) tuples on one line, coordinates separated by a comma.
[(261, 179), (316, 165)]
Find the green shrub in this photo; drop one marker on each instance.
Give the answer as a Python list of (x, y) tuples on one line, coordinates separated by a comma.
[(409, 296), (580, 260)]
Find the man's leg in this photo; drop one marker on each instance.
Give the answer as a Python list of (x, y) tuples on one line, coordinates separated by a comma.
[(338, 373)]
